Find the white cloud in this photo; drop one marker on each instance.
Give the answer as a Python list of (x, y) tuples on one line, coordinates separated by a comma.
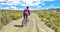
[(30, 2), (39, 6), (48, 0), (43, 4), (4, 8), (2, 0), (21, 9), (9, 7), (13, 7), (22, 2), (33, 2)]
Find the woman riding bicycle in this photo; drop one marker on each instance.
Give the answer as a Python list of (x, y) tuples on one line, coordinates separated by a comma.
[(26, 12)]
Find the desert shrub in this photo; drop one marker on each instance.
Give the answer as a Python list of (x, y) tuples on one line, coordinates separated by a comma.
[(7, 15), (51, 18)]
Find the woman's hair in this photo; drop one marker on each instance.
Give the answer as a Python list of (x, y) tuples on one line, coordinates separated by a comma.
[(27, 7)]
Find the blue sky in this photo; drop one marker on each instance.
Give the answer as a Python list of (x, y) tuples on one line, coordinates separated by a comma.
[(33, 4)]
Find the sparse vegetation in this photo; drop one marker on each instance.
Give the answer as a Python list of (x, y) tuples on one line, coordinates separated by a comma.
[(50, 17), (6, 16)]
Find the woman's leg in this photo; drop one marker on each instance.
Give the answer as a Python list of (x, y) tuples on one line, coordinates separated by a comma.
[(26, 16), (25, 19)]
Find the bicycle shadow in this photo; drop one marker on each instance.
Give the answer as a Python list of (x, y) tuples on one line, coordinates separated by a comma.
[(24, 23)]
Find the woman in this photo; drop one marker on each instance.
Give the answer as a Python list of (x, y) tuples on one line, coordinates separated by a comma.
[(26, 13)]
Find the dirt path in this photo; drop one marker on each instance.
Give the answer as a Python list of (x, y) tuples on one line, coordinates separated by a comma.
[(34, 25)]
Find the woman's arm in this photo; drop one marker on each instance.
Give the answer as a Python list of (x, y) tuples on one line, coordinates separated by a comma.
[(29, 12)]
